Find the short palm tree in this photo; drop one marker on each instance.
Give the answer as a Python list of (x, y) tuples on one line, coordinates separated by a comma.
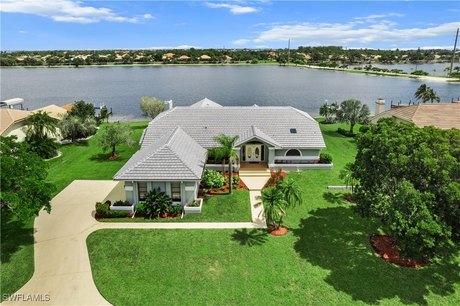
[(40, 125), (291, 191), (425, 94), (274, 204), (225, 152)]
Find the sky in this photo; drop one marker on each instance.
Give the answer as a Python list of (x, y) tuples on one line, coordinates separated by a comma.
[(79, 25)]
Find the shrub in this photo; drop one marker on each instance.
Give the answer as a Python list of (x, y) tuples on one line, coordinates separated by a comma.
[(195, 203), (157, 204), (122, 203), (345, 133), (44, 147), (103, 211), (175, 209), (325, 158), (236, 181), (213, 179), (140, 209), (363, 129), (419, 72)]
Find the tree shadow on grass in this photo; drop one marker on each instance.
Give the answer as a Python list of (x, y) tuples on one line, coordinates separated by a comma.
[(334, 198), (338, 240), (14, 235), (250, 238)]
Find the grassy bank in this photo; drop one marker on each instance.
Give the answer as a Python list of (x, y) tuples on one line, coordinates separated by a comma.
[(325, 259)]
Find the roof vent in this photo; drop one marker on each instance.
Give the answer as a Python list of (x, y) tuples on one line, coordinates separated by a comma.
[(293, 131)]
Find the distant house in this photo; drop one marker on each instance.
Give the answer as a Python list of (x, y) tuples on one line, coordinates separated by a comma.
[(184, 58), (13, 122), (174, 146), (168, 56), (53, 111), (441, 115), (67, 106), (204, 57)]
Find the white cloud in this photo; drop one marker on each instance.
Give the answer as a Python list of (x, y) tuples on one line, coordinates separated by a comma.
[(352, 33), (233, 8), (23, 32), (378, 16), (66, 11), (240, 42)]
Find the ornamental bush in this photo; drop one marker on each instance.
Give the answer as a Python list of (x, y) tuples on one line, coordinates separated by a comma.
[(325, 158), (213, 179)]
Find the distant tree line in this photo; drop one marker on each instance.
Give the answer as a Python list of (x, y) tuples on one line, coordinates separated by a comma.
[(333, 56)]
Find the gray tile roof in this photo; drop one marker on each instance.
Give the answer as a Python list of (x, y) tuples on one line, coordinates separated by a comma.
[(254, 132), (203, 124), (173, 156), (206, 103)]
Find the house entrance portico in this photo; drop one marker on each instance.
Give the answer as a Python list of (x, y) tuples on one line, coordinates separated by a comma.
[(253, 152)]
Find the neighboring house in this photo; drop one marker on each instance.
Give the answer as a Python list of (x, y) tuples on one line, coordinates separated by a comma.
[(174, 146), (440, 115), (68, 107), (56, 112), (13, 122)]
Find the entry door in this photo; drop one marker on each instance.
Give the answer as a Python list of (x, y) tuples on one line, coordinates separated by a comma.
[(253, 152)]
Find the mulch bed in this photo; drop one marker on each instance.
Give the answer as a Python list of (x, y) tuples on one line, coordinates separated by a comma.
[(348, 197), (272, 180), (385, 247), (281, 231), (224, 189)]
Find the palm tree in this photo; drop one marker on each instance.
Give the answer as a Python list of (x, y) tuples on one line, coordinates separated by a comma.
[(328, 111), (40, 125), (353, 111), (346, 174), (291, 191), (226, 152), (274, 204), (425, 93)]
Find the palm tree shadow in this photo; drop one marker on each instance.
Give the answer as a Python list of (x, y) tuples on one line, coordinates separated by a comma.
[(337, 240), (250, 238), (334, 198)]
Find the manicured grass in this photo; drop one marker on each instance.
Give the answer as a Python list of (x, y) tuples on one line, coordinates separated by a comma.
[(218, 208), (325, 259), (17, 253), (83, 160), (86, 161)]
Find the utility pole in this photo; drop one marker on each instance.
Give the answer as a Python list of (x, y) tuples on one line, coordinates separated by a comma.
[(453, 55), (289, 51), (416, 62)]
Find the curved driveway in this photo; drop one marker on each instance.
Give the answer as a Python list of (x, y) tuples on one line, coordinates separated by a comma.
[(62, 273)]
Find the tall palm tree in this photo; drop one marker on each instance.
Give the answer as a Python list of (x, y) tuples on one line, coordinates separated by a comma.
[(274, 204), (353, 112), (40, 125), (225, 152)]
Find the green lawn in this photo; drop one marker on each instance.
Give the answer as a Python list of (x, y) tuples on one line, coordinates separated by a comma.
[(86, 161), (83, 160), (218, 208), (325, 259)]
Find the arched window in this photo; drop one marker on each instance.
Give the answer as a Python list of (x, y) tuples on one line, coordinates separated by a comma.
[(293, 152)]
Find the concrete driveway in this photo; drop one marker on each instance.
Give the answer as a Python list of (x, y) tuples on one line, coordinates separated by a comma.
[(62, 269)]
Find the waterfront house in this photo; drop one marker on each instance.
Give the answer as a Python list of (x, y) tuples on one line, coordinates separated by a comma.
[(174, 146), (13, 122)]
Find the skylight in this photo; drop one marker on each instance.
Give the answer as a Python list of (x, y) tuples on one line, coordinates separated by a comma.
[(293, 131)]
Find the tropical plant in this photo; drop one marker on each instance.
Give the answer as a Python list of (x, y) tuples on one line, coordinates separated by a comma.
[(291, 191), (346, 174), (24, 189), (274, 205), (39, 127), (328, 111), (226, 152), (425, 94), (353, 112), (113, 135), (151, 106), (213, 179), (156, 204), (325, 158)]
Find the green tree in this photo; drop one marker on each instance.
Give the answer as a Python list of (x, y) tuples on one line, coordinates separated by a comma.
[(425, 94), (346, 174), (328, 111), (39, 127), (151, 106), (24, 188), (394, 159), (353, 112), (78, 61), (114, 135), (225, 151), (73, 127), (82, 109)]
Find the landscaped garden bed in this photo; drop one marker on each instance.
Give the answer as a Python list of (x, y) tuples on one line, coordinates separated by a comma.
[(194, 207), (385, 247), (214, 183)]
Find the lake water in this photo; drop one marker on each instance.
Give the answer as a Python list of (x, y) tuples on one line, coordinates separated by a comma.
[(122, 87)]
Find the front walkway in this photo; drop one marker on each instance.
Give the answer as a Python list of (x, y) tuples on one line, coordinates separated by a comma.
[(255, 180), (62, 266)]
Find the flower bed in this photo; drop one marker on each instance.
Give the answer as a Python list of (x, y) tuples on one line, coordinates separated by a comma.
[(194, 207)]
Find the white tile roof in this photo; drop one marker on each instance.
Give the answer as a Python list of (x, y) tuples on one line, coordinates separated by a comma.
[(254, 132), (173, 156), (206, 103), (203, 124)]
